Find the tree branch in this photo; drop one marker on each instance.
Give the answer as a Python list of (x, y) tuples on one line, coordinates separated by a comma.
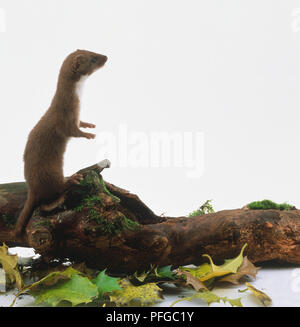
[(109, 227)]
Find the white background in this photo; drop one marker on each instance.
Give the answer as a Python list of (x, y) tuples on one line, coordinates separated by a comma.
[(229, 69)]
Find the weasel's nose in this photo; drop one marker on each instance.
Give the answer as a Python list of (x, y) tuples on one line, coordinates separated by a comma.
[(102, 59)]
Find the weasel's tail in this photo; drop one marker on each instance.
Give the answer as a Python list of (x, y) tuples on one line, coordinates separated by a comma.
[(25, 215)]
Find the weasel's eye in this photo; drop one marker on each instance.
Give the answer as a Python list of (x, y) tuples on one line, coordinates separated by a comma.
[(94, 60)]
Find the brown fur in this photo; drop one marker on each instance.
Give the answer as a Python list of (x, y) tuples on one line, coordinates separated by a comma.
[(43, 156)]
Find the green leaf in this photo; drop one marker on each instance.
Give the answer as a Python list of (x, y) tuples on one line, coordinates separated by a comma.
[(49, 280), (164, 272), (153, 275), (210, 297), (234, 302), (76, 290), (106, 284), (53, 277)]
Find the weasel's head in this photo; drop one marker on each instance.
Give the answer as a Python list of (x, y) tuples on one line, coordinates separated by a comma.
[(82, 63)]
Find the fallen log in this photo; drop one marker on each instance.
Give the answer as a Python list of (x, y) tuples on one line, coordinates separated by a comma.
[(108, 227)]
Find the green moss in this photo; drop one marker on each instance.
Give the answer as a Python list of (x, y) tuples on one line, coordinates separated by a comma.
[(94, 215), (268, 204), (93, 196), (90, 203), (115, 198), (203, 210), (88, 193), (79, 208), (87, 188), (116, 225), (112, 225)]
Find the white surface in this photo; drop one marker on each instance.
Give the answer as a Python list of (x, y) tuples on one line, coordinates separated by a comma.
[(227, 69)]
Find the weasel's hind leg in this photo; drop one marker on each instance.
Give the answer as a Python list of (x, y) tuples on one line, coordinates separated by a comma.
[(69, 181)]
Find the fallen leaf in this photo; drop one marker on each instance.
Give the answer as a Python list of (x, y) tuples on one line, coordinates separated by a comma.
[(210, 297), (53, 277), (75, 290), (47, 281), (192, 280), (106, 284), (153, 275), (10, 265), (144, 294), (164, 272), (199, 271), (230, 265), (141, 278), (263, 297), (246, 269), (207, 271)]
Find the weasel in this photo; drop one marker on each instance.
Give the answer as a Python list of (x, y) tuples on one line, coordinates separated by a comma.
[(46, 144)]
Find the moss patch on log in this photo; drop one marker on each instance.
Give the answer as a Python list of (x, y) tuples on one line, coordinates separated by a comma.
[(268, 204), (92, 196), (113, 224)]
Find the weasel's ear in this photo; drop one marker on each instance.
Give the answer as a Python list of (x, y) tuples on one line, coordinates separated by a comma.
[(78, 62)]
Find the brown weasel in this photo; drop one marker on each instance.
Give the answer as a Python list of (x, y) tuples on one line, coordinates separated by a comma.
[(43, 156)]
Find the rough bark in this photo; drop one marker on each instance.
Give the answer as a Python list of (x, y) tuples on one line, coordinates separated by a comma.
[(108, 227)]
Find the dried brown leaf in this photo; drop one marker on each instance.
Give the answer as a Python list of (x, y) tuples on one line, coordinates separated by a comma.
[(192, 280), (247, 268)]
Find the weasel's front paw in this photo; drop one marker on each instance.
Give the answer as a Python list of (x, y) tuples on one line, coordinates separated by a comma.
[(89, 135), (87, 125), (75, 179)]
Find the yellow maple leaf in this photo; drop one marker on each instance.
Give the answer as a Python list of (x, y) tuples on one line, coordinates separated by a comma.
[(230, 266), (208, 271), (10, 265)]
